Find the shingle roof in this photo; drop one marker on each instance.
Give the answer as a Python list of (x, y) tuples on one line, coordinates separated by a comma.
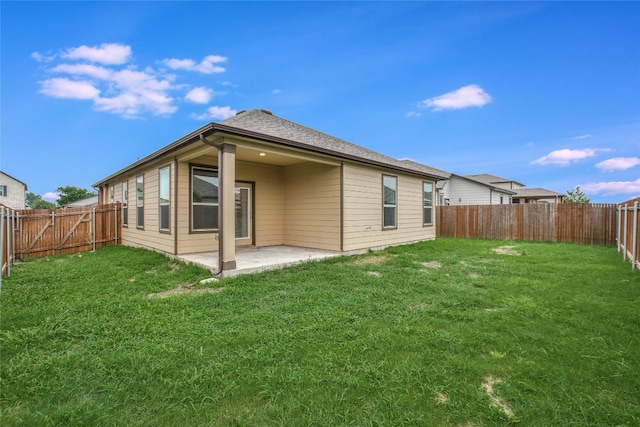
[(536, 192), (264, 122), (486, 184), (490, 179)]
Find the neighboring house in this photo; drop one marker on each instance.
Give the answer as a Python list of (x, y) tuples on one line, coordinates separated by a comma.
[(87, 201), (537, 195), (12, 192), (258, 179), (465, 190), (497, 181)]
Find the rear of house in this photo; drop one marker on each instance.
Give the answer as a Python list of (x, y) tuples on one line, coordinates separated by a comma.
[(12, 191), (260, 180)]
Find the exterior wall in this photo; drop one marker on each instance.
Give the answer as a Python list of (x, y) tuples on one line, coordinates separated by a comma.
[(464, 192), (363, 210), (150, 235), (15, 198), (312, 206), (268, 209)]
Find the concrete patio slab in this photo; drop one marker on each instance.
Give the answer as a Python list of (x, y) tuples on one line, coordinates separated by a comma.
[(255, 260)]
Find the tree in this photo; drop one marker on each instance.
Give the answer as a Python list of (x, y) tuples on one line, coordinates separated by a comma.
[(576, 196), (35, 201), (69, 194)]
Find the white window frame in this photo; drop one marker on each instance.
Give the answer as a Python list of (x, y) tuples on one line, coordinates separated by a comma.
[(387, 205), (125, 203), (164, 198), (211, 204), (140, 201), (427, 203), (3, 190)]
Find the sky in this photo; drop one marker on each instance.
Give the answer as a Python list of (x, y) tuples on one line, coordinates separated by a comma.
[(543, 93)]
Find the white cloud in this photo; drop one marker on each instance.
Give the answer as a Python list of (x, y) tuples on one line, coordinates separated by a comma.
[(42, 58), (582, 136), (466, 96), (206, 66), (618, 164), (413, 114), (50, 196), (125, 91), (199, 95), (72, 89), (219, 113), (612, 188), (566, 156), (106, 53)]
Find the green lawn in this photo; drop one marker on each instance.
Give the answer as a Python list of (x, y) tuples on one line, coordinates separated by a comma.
[(441, 333)]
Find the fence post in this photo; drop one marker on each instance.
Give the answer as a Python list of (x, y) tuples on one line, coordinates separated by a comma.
[(624, 237), (53, 231), (1, 244), (115, 222), (93, 229), (14, 217), (634, 255), (618, 225)]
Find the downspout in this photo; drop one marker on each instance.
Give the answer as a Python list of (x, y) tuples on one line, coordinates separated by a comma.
[(218, 147)]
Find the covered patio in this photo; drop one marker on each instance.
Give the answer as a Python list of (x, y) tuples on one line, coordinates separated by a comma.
[(254, 260)]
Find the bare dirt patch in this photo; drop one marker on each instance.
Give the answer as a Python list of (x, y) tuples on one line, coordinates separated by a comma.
[(189, 289), (442, 398), (374, 273), (487, 385), (370, 260), (431, 264), (507, 250), (474, 275)]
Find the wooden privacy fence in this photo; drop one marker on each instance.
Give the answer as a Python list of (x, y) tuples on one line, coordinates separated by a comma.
[(33, 233), (628, 232), (593, 224)]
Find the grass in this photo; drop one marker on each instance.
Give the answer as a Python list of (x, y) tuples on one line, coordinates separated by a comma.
[(441, 333)]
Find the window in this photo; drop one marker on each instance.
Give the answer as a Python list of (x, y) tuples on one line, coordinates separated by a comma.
[(125, 204), (140, 201), (111, 190), (204, 199), (389, 201), (164, 198), (501, 199), (3, 190), (427, 203)]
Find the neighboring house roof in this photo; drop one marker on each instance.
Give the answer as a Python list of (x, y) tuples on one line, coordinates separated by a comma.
[(17, 180), (483, 183), (88, 201), (263, 125), (491, 179), (538, 193)]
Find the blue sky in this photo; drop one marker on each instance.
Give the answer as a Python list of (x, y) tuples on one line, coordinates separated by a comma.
[(547, 94)]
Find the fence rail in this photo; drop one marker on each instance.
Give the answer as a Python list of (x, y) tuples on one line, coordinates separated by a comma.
[(593, 224)]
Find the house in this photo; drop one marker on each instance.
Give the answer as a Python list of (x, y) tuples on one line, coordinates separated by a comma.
[(12, 192), (487, 189), (87, 201), (467, 190), (257, 179), (537, 195)]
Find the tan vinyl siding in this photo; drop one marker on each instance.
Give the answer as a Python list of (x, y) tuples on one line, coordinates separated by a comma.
[(150, 236), (363, 210), (268, 210), (312, 206)]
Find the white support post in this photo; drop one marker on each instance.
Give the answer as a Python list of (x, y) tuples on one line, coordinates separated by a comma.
[(624, 238), (115, 223), (634, 248), (618, 225), (1, 242)]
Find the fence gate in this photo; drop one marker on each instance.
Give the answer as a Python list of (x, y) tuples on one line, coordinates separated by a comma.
[(45, 232)]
